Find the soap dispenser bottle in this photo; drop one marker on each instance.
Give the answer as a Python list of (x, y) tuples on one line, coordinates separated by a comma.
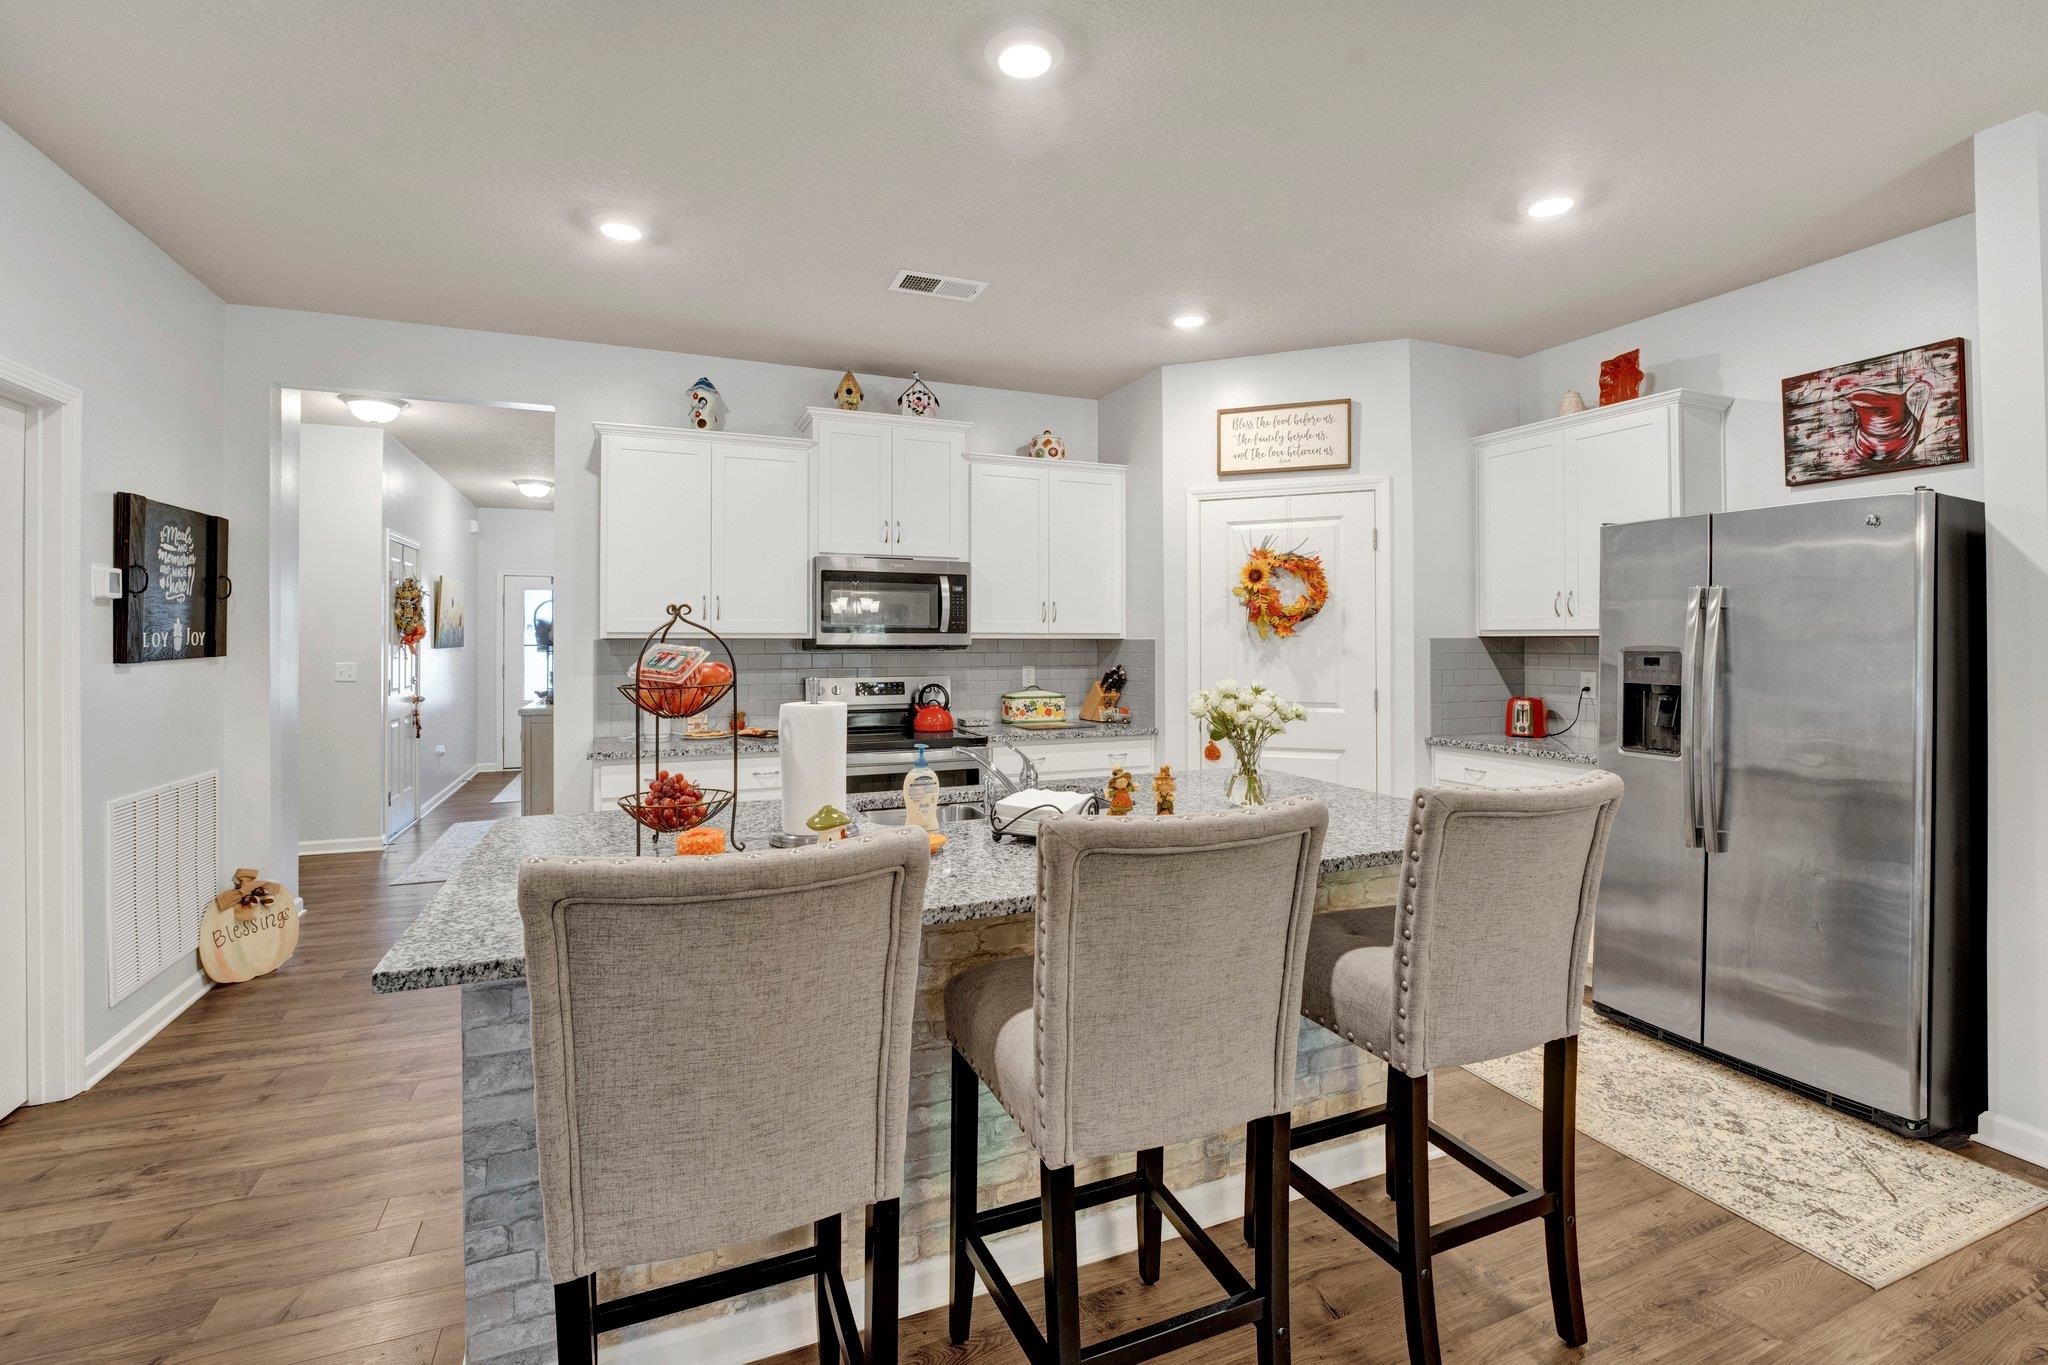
[(921, 795)]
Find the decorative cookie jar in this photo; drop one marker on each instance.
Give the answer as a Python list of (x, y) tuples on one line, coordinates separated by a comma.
[(1034, 706), (1046, 446)]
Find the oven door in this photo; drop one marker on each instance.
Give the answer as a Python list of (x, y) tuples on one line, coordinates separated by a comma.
[(865, 603)]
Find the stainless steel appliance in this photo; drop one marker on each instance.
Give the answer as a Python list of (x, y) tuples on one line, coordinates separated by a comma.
[(1795, 881), (880, 743), (864, 602)]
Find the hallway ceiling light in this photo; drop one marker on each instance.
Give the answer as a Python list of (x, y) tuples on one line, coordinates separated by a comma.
[(1549, 206), (533, 488), (1025, 54), (621, 229), (1187, 322), (378, 410)]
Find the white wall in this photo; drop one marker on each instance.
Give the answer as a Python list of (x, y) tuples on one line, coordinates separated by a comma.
[(1914, 289), (421, 505), (514, 541), (87, 300), (341, 620), (1128, 422)]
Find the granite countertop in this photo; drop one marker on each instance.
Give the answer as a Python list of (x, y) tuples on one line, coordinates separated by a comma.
[(470, 931), (619, 748), (1558, 749)]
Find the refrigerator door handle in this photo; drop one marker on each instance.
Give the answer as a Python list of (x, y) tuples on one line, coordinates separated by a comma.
[(1713, 772), (1689, 742)]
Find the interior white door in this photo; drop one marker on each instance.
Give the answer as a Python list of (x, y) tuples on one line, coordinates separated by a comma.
[(1330, 666), (522, 669), (1007, 511), (854, 515), (1523, 552), (1085, 552), (760, 542), (1618, 471), (401, 693), (923, 468), (13, 772)]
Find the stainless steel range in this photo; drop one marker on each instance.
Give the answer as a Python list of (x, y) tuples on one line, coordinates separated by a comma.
[(880, 748)]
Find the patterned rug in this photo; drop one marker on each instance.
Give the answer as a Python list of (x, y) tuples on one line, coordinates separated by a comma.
[(1873, 1204), (439, 862)]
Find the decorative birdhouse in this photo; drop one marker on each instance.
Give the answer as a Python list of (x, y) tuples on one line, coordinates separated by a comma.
[(918, 400), (848, 395), (1047, 446), (707, 409)]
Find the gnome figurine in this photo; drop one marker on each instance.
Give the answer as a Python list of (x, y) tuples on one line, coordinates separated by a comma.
[(707, 409), (848, 395)]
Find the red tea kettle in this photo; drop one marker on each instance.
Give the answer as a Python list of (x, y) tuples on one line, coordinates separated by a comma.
[(928, 717)]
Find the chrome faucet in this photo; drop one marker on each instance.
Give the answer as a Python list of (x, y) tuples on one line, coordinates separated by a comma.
[(998, 782)]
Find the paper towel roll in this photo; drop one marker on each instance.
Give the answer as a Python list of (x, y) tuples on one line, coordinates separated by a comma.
[(813, 745)]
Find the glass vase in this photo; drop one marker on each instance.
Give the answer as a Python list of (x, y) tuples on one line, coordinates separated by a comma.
[(1247, 785)]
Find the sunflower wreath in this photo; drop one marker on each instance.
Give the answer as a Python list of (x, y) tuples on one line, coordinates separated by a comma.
[(408, 613), (1258, 587)]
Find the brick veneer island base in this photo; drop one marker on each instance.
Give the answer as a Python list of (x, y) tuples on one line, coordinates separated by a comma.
[(977, 908)]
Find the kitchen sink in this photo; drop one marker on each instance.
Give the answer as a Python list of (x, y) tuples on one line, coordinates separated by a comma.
[(948, 815)]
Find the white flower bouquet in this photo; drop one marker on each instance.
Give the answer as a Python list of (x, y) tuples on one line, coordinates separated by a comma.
[(1246, 715)]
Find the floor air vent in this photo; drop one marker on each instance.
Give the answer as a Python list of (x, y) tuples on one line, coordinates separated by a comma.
[(163, 863), (938, 286)]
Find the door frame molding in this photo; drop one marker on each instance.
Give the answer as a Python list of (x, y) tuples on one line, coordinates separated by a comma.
[(506, 649), (1381, 487), (52, 586), (384, 832)]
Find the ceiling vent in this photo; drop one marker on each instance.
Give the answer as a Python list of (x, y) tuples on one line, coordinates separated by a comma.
[(938, 286)]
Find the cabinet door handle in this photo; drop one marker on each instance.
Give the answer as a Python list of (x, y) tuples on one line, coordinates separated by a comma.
[(1041, 611), (885, 530), (720, 612), (1055, 610), (1571, 603), (1557, 603), (899, 533), (1475, 773)]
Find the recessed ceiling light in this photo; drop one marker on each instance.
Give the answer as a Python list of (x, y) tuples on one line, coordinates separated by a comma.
[(378, 410), (1549, 206), (1025, 54), (621, 229), (1187, 322), (534, 488)]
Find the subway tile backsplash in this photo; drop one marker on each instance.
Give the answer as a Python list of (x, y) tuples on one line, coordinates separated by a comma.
[(771, 672), (1471, 680)]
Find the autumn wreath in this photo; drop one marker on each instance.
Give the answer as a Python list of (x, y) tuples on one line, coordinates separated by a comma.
[(408, 613), (1258, 587)]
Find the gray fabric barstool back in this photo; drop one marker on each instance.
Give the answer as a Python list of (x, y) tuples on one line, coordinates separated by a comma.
[(721, 1052), (1161, 1003), (1487, 959)]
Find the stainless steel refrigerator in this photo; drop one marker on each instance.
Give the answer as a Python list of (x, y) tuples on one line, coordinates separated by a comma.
[(1794, 697)]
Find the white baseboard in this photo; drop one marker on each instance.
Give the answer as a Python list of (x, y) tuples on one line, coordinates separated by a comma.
[(314, 848), (2014, 1138), (122, 1045), (791, 1322), (452, 788)]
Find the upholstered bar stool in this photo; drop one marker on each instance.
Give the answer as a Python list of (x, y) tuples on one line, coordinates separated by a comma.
[(721, 1052), (1161, 1003), (1487, 959)]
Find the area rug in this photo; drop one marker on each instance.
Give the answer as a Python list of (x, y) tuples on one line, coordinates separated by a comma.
[(439, 863), (1870, 1203), (511, 793)]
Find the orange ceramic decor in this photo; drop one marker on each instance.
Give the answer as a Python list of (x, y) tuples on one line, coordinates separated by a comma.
[(1621, 378)]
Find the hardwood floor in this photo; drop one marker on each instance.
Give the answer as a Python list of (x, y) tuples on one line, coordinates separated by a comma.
[(276, 1177)]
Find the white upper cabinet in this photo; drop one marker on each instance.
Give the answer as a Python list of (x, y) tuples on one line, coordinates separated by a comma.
[(888, 485), (719, 520), (1048, 547), (1545, 490)]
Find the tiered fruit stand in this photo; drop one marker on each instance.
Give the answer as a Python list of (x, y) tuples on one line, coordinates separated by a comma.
[(656, 702)]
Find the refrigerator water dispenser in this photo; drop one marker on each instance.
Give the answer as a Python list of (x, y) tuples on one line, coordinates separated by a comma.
[(1650, 700)]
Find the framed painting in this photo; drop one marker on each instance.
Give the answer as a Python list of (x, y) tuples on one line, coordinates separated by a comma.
[(448, 608), (174, 582), (1906, 410), (1284, 437)]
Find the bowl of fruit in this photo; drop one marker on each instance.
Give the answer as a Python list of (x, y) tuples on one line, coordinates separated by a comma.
[(673, 803), (677, 681)]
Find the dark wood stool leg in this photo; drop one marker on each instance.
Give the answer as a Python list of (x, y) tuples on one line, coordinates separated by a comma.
[(1276, 1342), (576, 1321), (884, 1252), (1152, 1170), (1062, 1265), (1408, 1134), (1251, 1184), (1561, 1224), (826, 1237), (966, 1175)]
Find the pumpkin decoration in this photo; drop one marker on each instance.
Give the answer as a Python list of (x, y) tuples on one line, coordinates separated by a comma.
[(409, 613), (251, 930), (1258, 587)]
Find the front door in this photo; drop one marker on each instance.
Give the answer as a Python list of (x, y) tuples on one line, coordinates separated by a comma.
[(13, 772), (523, 670), (1330, 664), (401, 697)]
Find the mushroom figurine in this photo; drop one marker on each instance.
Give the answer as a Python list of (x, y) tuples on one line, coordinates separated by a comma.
[(829, 823)]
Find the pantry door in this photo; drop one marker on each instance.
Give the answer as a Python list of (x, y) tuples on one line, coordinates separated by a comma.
[(401, 695), (1332, 665)]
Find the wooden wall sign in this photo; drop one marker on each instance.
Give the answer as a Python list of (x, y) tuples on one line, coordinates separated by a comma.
[(1283, 437), (174, 581), (250, 930)]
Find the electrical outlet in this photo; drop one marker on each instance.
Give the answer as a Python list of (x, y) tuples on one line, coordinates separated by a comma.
[(345, 673), (440, 751), (1589, 682), (1030, 676)]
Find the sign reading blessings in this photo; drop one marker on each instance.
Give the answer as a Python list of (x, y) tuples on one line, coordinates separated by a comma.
[(1284, 436)]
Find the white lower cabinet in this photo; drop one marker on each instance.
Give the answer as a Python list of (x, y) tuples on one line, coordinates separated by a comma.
[(1047, 547), (1452, 767), (760, 777), (1078, 760)]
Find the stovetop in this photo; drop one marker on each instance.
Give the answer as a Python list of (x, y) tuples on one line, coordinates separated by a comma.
[(872, 738)]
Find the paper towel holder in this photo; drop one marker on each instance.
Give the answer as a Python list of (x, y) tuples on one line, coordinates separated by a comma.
[(651, 707)]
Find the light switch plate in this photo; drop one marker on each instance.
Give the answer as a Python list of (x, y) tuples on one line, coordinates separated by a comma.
[(440, 751), (345, 673), (1030, 676)]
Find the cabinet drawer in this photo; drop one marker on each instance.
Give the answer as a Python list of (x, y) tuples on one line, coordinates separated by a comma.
[(1469, 768), (760, 776), (1068, 760)]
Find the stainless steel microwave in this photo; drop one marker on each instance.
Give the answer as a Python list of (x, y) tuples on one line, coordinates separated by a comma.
[(871, 602)]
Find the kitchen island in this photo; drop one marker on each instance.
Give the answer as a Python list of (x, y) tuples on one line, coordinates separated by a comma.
[(977, 907)]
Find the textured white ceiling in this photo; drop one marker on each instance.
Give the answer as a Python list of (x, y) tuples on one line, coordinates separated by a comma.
[(1309, 173), (478, 448)]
